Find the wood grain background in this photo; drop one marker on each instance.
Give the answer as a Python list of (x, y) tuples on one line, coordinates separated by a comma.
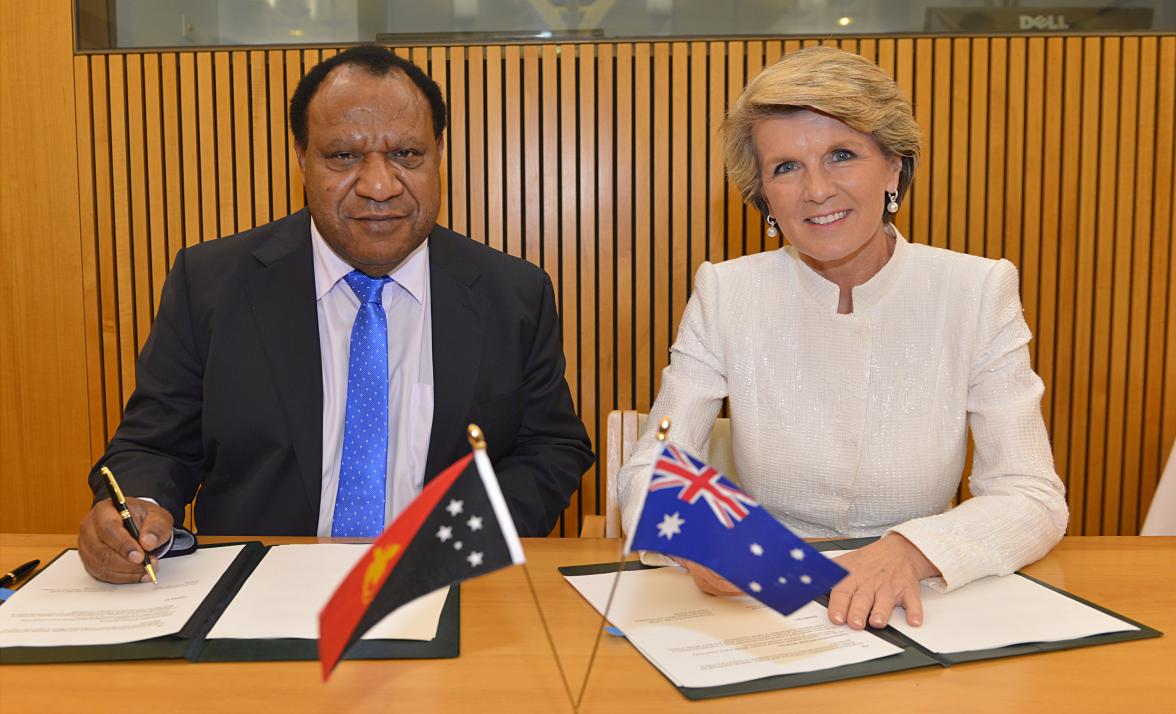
[(601, 163)]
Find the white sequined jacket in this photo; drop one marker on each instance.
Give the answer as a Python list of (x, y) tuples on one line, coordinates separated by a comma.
[(856, 425)]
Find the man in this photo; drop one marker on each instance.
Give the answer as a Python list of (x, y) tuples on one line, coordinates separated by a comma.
[(308, 375)]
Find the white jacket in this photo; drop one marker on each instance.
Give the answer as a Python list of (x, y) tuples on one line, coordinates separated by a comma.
[(856, 425)]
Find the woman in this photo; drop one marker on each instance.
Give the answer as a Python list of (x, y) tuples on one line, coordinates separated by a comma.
[(854, 361)]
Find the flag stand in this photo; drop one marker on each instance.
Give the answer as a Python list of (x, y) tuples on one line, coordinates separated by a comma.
[(600, 630), (551, 642), (663, 430)]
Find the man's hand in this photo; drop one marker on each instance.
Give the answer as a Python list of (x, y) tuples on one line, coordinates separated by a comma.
[(109, 552), (881, 575), (708, 580)]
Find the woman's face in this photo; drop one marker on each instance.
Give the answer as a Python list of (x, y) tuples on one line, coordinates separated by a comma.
[(824, 183)]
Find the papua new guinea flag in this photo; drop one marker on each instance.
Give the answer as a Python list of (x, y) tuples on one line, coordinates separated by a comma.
[(456, 529)]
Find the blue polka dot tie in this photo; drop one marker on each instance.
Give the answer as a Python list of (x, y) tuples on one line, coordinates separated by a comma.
[(359, 503)]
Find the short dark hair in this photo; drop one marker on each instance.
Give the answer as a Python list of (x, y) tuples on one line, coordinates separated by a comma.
[(377, 61)]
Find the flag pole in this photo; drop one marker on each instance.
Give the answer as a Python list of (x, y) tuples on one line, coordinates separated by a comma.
[(663, 430), (477, 439), (550, 642)]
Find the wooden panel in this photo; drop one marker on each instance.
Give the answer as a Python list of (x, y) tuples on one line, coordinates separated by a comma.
[(1116, 278), (476, 122), (1027, 64), (587, 270), (46, 273), (513, 164), (939, 177), (602, 163), (494, 146), (1160, 401), (643, 295), (456, 142), (626, 389)]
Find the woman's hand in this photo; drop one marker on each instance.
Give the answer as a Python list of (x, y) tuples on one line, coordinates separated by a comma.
[(883, 574), (708, 580)]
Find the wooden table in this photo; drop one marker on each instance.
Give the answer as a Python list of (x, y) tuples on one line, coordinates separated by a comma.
[(505, 663)]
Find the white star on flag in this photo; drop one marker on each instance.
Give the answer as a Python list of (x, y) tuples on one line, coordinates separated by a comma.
[(454, 507), (444, 533), (797, 554), (475, 559), (806, 580), (457, 545), (782, 580), (757, 549), (670, 526), (475, 523), (755, 587)]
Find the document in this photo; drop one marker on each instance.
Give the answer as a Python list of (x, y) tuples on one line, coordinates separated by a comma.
[(285, 593), (64, 606), (697, 640), (999, 611)]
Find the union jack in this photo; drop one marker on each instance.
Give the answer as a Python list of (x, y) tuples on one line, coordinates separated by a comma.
[(674, 469)]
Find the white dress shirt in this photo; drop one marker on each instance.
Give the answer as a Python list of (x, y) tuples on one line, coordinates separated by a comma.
[(410, 372), (856, 425)]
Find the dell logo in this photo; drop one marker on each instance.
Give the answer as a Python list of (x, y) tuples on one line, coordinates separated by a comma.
[(1044, 22)]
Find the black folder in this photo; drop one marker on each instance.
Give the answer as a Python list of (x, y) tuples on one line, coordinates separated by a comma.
[(913, 655), (190, 642)]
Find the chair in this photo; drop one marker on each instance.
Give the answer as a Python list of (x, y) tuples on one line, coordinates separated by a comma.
[(623, 429), (1161, 517)]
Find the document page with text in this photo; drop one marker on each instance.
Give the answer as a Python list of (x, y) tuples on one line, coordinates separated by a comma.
[(64, 606), (697, 640)]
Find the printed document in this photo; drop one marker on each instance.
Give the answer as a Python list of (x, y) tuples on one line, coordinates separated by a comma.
[(998, 611), (64, 606), (697, 640), (285, 593)]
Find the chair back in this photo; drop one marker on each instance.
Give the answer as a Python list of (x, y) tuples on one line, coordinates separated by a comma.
[(1161, 516), (623, 429)]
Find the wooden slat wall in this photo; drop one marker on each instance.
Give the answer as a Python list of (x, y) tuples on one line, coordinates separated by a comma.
[(44, 449), (601, 163)]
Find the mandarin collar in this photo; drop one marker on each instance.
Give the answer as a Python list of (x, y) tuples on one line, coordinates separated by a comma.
[(827, 294)]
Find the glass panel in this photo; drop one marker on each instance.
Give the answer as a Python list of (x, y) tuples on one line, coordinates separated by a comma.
[(201, 23)]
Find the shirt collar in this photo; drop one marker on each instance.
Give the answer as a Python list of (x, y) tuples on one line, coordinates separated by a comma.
[(329, 268)]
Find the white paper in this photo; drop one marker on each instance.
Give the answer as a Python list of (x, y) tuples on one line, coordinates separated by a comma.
[(284, 594), (1000, 611), (64, 606), (702, 641)]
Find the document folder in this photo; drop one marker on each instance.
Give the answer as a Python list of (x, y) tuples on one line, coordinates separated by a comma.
[(191, 642), (912, 656)]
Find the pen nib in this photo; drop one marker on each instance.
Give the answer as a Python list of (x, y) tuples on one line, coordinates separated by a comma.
[(151, 572)]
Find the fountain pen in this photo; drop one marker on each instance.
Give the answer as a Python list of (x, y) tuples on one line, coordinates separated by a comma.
[(120, 505)]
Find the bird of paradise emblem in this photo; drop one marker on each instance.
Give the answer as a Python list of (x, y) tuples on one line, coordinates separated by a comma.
[(377, 569)]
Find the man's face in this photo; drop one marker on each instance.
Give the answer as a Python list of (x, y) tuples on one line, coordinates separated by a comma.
[(371, 166)]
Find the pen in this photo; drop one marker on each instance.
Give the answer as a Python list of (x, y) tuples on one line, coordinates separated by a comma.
[(120, 505), (18, 573)]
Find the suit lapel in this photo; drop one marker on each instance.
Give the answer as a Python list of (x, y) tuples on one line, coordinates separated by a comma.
[(282, 295), (457, 346)]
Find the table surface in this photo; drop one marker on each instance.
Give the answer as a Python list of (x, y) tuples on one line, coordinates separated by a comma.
[(506, 663)]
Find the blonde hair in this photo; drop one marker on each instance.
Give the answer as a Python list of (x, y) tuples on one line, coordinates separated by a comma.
[(843, 85)]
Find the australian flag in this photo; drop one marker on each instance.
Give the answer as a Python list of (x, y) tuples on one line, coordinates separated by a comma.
[(694, 512)]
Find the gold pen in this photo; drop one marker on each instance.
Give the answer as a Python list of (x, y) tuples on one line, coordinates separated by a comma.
[(120, 505)]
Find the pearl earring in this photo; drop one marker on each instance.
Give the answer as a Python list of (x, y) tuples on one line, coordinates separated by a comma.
[(892, 206), (772, 230)]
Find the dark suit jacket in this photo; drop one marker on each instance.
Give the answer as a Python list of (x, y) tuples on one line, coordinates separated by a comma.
[(228, 397)]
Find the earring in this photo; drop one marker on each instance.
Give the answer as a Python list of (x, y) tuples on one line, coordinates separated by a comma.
[(892, 206), (772, 230)]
